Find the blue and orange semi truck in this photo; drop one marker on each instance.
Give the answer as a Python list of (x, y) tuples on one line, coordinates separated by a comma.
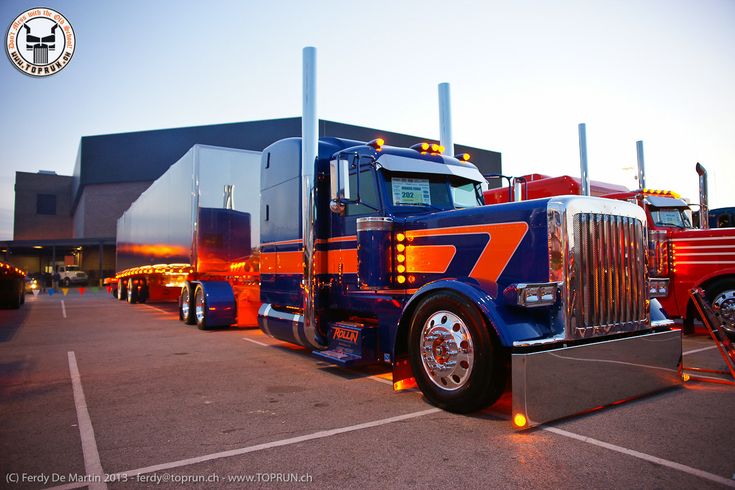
[(366, 253)]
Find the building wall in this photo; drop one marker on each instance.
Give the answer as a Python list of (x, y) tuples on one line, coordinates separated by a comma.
[(29, 224), (100, 205)]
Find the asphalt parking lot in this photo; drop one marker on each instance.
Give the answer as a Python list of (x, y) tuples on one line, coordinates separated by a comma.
[(93, 386)]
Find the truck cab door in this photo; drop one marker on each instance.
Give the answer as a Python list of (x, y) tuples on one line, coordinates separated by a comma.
[(342, 241)]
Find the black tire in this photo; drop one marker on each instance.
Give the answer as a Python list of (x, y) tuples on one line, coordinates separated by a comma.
[(186, 298), (122, 292), (200, 308), (66, 282), (721, 296), (132, 291), (480, 378), (142, 291)]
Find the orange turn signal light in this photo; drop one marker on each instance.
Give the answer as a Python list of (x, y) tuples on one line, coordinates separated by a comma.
[(519, 420)]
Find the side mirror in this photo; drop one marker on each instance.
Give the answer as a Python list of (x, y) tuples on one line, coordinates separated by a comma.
[(339, 175)]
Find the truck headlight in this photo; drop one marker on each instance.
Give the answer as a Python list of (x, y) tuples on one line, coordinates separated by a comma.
[(532, 295), (658, 287)]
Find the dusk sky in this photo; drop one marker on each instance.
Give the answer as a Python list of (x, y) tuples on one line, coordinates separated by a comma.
[(523, 74)]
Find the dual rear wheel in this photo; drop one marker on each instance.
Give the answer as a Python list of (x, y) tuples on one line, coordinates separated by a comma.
[(193, 305)]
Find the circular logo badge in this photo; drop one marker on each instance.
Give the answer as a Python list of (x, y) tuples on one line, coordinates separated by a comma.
[(40, 42)]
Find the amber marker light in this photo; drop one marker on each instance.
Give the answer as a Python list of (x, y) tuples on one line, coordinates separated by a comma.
[(401, 279), (400, 237), (401, 268), (519, 420), (400, 247), (400, 258), (465, 157), (685, 377)]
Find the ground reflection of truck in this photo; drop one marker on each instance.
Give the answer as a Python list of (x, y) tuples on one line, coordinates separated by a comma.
[(687, 256), (366, 253)]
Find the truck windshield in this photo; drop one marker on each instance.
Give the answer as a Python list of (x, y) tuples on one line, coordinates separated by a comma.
[(430, 191), (670, 217)]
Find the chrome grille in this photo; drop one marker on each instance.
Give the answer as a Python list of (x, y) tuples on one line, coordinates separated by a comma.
[(607, 275)]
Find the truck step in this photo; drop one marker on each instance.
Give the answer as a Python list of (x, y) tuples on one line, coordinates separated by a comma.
[(350, 344), (338, 357)]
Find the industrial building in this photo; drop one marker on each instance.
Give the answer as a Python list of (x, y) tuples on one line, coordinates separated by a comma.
[(73, 218)]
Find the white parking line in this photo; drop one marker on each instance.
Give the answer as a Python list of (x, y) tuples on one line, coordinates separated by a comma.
[(694, 351), (63, 309), (92, 464), (646, 457), (282, 442), (256, 342), (160, 309)]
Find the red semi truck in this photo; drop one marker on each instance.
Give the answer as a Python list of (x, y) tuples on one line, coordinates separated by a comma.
[(689, 257), (366, 253)]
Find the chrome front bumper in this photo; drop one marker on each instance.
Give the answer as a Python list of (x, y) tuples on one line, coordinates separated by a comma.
[(556, 383)]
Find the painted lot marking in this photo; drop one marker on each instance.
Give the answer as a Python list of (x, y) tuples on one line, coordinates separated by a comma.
[(694, 351), (63, 309), (256, 342), (283, 442), (646, 457), (92, 464)]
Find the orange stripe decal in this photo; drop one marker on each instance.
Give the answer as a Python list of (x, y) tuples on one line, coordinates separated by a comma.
[(503, 240), (429, 259), (290, 263)]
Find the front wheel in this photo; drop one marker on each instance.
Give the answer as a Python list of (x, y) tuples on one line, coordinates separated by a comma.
[(455, 356), (132, 291)]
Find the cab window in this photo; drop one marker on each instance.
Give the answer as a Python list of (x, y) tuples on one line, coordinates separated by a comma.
[(369, 197)]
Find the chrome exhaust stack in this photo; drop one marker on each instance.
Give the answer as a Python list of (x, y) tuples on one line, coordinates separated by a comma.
[(583, 159), (445, 120), (309, 153), (641, 165), (703, 197)]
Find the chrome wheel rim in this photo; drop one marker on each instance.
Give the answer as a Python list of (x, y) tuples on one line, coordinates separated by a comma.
[(447, 352), (130, 290), (199, 306), (185, 304), (724, 307)]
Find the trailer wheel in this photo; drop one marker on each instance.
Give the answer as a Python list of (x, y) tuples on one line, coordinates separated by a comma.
[(186, 304), (455, 356), (721, 295), (132, 291), (200, 308), (122, 292)]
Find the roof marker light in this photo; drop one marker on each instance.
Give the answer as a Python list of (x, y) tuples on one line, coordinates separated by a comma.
[(377, 143), (465, 157)]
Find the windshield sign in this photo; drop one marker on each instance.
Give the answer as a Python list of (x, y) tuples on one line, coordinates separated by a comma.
[(410, 192)]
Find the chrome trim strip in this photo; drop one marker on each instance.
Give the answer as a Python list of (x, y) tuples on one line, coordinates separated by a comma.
[(263, 311), (374, 224)]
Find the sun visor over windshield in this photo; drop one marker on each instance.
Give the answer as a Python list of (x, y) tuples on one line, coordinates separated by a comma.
[(665, 202), (396, 163)]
